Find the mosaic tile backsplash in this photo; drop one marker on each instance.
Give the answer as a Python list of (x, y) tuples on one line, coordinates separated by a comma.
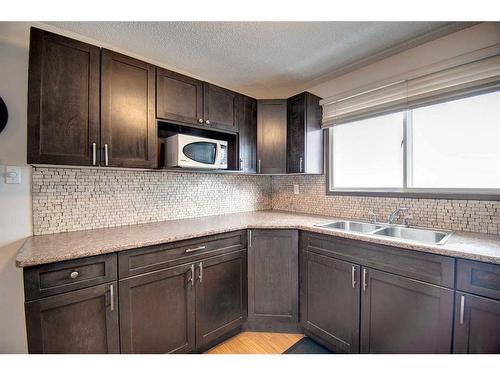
[(76, 199), (463, 215)]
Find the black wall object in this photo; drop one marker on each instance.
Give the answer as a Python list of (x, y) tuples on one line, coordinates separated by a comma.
[(4, 115)]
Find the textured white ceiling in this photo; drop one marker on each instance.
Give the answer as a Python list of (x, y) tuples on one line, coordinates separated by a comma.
[(260, 59)]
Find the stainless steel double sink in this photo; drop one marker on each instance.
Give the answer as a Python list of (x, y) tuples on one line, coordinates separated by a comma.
[(422, 235)]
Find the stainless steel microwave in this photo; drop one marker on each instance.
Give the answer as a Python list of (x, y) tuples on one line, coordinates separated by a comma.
[(187, 151)]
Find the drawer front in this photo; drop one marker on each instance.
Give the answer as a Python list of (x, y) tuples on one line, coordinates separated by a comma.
[(55, 278), (478, 278), (152, 258), (431, 268)]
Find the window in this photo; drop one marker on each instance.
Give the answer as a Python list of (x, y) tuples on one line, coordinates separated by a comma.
[(441, 149)]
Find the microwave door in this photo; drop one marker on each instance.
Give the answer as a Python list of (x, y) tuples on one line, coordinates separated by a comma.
[(200, 154)]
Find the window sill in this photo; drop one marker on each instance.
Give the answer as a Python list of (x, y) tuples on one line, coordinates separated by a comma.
[(488, 195)]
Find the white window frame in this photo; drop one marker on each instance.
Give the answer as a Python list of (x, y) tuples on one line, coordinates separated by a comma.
[(406, 191)]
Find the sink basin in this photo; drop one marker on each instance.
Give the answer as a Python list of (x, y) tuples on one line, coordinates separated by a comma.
[(352, 226), (415, 234)]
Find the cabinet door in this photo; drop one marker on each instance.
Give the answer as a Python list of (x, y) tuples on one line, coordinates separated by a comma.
[(80, 322), (220, 107), (330, 301), (296, 134), (178, 98), (304, 134), (273, 286), (128, 128), (477, 324), (248, 134), (401, 315), (271, 136), (221, 298), (63, 100), (157, 311)]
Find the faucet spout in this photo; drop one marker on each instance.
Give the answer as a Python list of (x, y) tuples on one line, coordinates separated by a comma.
[(395, 213)]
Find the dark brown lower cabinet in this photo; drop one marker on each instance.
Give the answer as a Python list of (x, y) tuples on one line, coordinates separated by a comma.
[(221, 297), (273, 287), (477, 324), (401, 315), (330, 301), (157, 311), (84, 321), (184, 308)]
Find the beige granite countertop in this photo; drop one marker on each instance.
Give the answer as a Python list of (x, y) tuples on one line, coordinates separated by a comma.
[(72, 245)]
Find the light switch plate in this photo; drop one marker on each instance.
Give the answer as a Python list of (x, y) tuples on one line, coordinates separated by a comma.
[(296, 189), (12, 175)]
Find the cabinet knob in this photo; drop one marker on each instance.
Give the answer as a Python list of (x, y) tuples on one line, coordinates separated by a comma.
[(200, 120), (207, 122), (74, 274)]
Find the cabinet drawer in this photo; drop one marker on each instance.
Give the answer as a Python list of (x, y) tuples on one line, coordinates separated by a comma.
[(431, 268), (55, 278), (478, 278), (151, 258)]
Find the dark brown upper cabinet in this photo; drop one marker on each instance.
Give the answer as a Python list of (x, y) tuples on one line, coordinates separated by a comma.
[(220, 107), (271, 136), (128, 126), (179, 98), (247, 134), (304, 148), (63, 100)]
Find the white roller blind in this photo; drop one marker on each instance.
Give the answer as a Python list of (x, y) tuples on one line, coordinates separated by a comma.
[(460, 80)]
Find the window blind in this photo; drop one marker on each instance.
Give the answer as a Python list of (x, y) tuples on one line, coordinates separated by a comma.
[(465, 79)]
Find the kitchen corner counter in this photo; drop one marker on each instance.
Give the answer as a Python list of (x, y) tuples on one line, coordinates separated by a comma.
[(57, 247)]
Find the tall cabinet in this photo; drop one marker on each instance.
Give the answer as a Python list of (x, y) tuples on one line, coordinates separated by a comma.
[(63, 100)]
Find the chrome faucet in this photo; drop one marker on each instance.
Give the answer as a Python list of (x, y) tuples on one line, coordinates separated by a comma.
[(395, 213)]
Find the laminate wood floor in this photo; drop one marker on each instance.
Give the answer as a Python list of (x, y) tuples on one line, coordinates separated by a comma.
[(257, 343)]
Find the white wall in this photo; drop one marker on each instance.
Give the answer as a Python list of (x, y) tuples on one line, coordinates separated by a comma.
[(15, 201), (476, 37)]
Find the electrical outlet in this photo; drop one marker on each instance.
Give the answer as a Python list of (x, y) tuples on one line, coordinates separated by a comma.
[(12, 175), (296, 189)]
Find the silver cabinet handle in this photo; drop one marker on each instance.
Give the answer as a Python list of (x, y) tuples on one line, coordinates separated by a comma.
[(207, 122), (250, 238), (192, 250), (200, 120), (200, 276), (364, 279), (94, 153), (300, 164), (258, 166), (353, 277), (462, 309), (106, 155), (241, 164), (191, 277), (74, 274), (112, 297)]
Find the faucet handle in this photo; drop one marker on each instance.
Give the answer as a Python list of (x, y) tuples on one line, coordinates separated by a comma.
[(373, 216), (407, 217)]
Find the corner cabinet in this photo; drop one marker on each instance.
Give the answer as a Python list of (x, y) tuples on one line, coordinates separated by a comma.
[(128, 126), (273, 286), (271, 136), (63, 100)]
